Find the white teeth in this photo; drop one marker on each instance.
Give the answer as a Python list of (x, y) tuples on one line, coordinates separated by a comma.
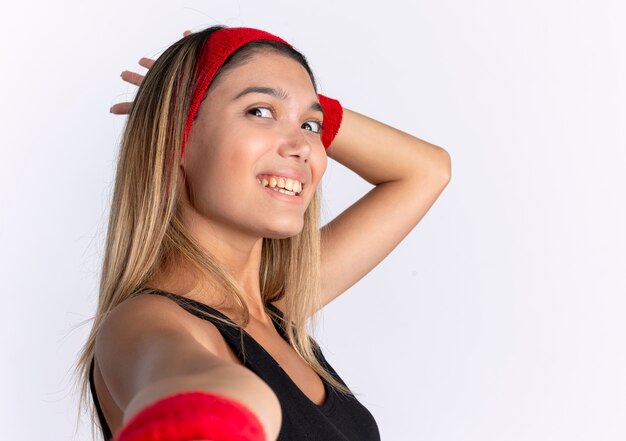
[(282, 190), (283, 185)]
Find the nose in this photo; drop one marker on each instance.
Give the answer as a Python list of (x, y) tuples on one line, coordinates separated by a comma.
[(295, 143)]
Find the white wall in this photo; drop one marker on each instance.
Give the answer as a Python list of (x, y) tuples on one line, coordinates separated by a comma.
[(500, 317)]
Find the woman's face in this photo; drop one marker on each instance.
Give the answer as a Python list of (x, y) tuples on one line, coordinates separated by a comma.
[(239, 139)]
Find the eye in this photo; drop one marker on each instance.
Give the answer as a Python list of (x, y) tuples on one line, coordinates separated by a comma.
[(315, 123), (258, 111), (254, 109)]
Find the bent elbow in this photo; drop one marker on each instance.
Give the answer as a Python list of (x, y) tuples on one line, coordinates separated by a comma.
[(445, 164)]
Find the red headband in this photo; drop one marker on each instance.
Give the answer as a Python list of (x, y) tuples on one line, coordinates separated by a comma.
[(217, 48)]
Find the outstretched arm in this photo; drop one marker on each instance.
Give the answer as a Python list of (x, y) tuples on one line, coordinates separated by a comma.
[(169, 382), (409, 175)]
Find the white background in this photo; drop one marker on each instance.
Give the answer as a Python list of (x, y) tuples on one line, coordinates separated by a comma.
[(500, 317)]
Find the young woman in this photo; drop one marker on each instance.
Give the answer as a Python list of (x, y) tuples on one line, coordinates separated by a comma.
[(214, 245)]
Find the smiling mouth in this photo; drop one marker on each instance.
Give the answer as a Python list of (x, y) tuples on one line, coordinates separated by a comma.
[(282, 185)]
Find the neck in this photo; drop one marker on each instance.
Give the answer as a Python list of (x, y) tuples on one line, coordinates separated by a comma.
[(239, 254)]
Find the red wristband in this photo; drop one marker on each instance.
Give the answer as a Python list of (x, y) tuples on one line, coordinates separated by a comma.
[(193, 416), (333, 115)]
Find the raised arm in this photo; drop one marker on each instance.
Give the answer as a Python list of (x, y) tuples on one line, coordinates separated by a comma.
[(409, 175), (147, 350)]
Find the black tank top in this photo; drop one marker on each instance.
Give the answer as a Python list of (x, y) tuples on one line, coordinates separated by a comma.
[(339, 418)]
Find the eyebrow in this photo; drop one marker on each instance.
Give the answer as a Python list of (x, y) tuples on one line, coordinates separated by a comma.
[(278, 93)]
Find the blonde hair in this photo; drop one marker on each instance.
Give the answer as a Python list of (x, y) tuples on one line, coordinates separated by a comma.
[(145, 232)]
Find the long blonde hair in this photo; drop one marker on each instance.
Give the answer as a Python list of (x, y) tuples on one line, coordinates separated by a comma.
[(145, 232)]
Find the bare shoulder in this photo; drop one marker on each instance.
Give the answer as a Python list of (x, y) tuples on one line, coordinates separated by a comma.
[(148, 306), (158, 314)]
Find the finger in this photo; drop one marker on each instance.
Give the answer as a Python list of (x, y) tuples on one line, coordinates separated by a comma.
[(121, 108), (132, 77), (146, 62), (187, 33)]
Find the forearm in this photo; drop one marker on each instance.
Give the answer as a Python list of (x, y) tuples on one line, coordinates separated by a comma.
[(380, 153)]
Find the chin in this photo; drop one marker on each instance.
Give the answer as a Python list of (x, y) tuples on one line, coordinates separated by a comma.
[(284, 233)]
